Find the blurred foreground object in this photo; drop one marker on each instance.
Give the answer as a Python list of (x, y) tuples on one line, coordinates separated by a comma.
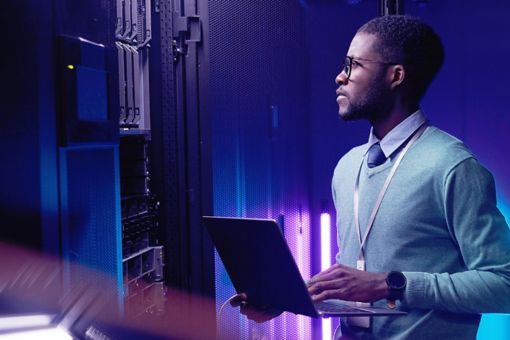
[(34, 296)]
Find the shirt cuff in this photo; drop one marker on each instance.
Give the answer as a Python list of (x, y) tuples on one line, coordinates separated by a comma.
[(414, 294)]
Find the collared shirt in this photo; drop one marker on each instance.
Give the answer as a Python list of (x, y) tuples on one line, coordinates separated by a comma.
[(398, 135)]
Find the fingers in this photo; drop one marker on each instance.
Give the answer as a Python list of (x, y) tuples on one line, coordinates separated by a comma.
[(328, 294), (320, 275), (345, 283), (328, 271), (334, 283), (331, 273), (323, 290), (257, 314), (318, 287), (237, 300)]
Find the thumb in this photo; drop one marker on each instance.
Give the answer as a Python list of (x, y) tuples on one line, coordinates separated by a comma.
[(238, 299)]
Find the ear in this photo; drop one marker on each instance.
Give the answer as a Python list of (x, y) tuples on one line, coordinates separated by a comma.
[(398, 74)]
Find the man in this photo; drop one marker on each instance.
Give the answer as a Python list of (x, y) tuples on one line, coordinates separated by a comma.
[(422, 207), (418, 227)]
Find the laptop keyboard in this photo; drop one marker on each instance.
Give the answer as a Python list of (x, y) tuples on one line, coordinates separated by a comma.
[(334, 306)]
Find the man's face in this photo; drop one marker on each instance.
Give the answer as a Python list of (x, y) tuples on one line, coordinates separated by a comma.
[(366, 94)]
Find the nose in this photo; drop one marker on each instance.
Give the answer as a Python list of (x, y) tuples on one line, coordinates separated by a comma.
[(341, 78)]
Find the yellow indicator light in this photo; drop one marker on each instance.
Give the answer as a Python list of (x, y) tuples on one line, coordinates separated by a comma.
[(71, 67)]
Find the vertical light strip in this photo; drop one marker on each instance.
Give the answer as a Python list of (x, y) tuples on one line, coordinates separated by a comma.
[(325, 241), (325, 264), (301, 265)]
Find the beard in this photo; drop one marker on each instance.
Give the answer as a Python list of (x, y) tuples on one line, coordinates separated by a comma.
[(375, 103)]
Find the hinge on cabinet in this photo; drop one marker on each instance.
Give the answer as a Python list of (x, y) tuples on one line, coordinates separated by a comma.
[(177, 50), (191, 26), (186, 30)]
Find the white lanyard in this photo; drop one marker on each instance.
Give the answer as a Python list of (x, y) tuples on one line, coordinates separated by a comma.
[(361, 257)]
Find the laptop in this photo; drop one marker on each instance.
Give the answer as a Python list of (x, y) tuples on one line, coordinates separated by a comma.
[(260, 264)]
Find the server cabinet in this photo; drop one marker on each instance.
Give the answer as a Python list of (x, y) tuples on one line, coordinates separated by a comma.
[(105, 162), (165, 156), (258, 98), (181, 142)]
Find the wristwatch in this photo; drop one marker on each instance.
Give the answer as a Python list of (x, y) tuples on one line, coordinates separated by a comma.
[(396, 282)]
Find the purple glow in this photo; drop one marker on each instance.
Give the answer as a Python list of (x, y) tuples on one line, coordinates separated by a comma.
[(298, 236), (325, 264), (302, 253), (325, 241)]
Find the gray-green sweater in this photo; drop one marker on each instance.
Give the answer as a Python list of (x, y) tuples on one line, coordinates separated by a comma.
[(439, 224)]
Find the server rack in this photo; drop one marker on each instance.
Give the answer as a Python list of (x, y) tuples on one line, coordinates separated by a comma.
[(120, 188), (164, 155), (142, 251)]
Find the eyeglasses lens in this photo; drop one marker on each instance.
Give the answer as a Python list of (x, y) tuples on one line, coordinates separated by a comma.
[(347, 67)]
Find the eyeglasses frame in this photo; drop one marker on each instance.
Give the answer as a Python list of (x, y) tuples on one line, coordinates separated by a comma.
[(347, 67)]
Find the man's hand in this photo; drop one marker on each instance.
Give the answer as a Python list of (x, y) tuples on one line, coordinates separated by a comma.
[(349, 284), (258, 314)]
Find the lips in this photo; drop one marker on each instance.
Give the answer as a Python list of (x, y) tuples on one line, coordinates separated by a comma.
[(339, 96), (340, 93)]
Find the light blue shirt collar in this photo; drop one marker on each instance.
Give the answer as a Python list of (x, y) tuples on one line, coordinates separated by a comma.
[(398, 135)]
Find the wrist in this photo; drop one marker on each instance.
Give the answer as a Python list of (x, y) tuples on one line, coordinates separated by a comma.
[(382, 288)]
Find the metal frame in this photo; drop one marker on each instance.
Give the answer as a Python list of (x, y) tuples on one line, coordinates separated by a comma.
[(391, 7), (180, 143)]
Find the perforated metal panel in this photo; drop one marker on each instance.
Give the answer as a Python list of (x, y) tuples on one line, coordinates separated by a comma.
[(259, 105), (90, 202)]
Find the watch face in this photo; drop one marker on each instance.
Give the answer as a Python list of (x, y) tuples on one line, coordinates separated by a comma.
[(396, 280)]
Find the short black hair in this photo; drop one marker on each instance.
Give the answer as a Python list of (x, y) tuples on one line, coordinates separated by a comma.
[(408, 41)]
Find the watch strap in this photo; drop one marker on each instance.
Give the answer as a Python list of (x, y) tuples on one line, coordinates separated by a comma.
[(396, 282)]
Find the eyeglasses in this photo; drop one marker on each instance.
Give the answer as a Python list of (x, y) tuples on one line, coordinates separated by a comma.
[(349, 61)]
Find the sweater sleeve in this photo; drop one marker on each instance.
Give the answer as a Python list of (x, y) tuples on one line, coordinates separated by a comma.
[(483, 238)]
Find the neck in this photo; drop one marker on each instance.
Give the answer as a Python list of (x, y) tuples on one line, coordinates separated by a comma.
[(385, 123)]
